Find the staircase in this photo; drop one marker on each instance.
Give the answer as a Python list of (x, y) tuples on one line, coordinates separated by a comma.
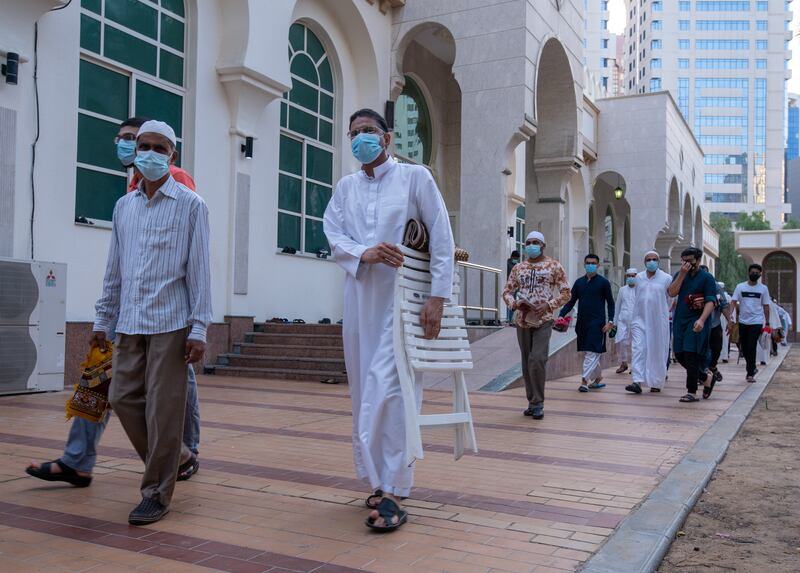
[(286, 352)]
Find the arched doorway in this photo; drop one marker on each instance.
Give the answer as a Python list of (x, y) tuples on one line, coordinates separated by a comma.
[(780, 276)]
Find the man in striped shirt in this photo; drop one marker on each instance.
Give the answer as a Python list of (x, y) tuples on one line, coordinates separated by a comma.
[(157, 282)]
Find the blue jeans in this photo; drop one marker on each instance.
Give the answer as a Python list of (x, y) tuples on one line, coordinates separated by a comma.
[(80, 451)]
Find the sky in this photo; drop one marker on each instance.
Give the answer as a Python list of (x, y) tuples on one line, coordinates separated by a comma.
[(616, 24)]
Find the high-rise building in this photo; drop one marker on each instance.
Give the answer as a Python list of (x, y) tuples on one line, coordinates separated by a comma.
[(600, 45), (726, 64), (793, 127)]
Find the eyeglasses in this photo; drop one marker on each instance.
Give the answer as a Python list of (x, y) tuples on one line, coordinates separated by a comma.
[(367, 129), (125, 137)]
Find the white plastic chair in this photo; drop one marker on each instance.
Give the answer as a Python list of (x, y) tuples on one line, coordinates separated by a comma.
[(414, 354)]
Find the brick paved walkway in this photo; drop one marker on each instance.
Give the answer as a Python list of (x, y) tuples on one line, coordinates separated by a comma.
[(276, 488)]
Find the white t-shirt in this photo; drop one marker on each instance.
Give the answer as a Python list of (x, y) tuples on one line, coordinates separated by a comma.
[(751, 299)]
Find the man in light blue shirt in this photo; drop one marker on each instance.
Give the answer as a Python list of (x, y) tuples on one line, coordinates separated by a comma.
[(157, 281)]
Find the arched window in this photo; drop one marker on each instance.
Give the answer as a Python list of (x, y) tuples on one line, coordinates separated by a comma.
[(626, 247), (305, 163), (780, 274), (412, 125), (610, 241), (519, 229), (132, 57)]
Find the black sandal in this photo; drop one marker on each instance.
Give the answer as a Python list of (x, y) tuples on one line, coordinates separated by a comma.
[(707, 390), (188, 469), (688, 398), (374, 504), (388, 510), (67, 474)]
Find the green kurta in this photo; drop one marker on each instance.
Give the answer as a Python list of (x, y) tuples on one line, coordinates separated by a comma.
[(684, 338)]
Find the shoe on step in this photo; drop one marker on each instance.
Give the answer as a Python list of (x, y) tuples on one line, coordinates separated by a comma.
[(635, 388), (538, 412)]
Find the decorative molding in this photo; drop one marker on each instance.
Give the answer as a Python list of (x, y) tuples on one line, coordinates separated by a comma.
[(248, 92), (386, 5)]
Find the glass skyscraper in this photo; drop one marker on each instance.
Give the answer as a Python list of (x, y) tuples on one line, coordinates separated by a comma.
[(726, 64)]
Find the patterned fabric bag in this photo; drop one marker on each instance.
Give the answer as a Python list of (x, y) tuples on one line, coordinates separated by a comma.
[(90, 400)]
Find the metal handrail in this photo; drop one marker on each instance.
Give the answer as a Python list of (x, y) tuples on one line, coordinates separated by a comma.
[(482, 306)]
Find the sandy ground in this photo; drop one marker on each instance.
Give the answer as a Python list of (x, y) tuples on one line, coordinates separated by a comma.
[(748, 519)]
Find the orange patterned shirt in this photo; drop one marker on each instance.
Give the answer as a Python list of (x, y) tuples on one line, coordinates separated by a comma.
[(542, 281)]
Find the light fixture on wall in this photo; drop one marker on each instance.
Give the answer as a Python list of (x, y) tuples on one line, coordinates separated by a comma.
[(619, 192), (247, 147), (10, 68)]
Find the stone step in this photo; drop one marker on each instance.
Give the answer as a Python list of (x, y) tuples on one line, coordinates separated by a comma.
[(299, 339), (282, 362), (281, 350), (284, 328), (277, 373)]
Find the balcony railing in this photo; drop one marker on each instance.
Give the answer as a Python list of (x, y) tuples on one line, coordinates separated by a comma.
[(486, 309)]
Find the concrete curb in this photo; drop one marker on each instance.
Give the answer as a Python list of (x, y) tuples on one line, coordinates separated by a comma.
[(643, 538)]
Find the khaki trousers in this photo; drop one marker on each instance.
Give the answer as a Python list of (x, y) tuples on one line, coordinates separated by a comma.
[(148, 394), (534, 344)]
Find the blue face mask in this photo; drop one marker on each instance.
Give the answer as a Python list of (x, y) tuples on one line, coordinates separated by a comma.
[(630, 281), (366, 147), (533, 251), (126, 152), (153, 166), (591, 268), (651, 266)]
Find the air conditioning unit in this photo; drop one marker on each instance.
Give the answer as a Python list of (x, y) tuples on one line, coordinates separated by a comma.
[(33, 298)]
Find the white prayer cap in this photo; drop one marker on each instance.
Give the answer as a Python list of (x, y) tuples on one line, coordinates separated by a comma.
[(652, 253), (631, 271), (535, 235), (721, 285), (159, 127)]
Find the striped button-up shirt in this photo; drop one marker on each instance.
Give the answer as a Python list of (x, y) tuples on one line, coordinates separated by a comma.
[(158, 276)]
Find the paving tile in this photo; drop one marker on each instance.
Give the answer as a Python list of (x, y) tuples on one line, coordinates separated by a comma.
[(277, 489)]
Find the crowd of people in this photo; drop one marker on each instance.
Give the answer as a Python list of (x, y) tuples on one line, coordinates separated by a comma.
[(156, 308), (687, 316)]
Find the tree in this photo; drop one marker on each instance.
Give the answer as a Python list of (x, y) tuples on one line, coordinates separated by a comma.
[(731, 268), (792, 223), (755, 221)]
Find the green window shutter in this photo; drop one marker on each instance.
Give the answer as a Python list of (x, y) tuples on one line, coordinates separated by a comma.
[(326, 132), (302, 122), (172, 32), (288, 231), (289, 197), (93, 5), (314, 46), (315, 236), (96, 143), (326, 105), (297, 37), (304, 95), (325, 76), (284, 113), (157, 103), (90, 34), (303, 67), (174, 6), (129, 50), (96, 194), (171, 68), (319, 164), (317, 199), (103, 91), (135, 15), (291, 156)]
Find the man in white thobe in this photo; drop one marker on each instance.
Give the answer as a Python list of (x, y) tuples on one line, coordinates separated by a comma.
[(650, 327), (625, 300), (364, 222)]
